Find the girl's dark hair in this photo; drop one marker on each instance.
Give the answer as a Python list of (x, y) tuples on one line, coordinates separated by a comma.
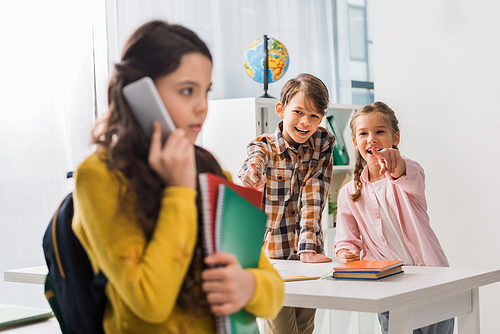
[(311, 86), (155, 49), (390, 118)]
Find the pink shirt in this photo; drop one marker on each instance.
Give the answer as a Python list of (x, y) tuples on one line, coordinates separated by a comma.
[(359, 225)]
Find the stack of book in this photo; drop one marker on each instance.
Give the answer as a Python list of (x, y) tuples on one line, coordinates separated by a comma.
[(368, 270), (233, 223)]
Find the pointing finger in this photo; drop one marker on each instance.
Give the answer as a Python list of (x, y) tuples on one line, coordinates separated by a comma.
[(254, 168)]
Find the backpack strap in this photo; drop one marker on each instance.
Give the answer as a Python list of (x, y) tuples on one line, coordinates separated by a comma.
[(74, 293), (100, 280), (54, 242)]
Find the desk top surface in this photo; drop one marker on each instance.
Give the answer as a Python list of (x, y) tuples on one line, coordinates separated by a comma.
[(40, 326), (34, 275), (417, 283)]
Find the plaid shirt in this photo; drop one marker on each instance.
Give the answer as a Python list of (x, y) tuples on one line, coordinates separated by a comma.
[(296, 190)]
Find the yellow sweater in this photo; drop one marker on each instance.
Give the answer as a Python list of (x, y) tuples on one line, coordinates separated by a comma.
[(144, 278)]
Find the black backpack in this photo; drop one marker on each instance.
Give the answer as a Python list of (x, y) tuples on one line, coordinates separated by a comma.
[(74, 293)]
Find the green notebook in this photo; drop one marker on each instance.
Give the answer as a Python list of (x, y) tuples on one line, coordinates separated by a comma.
[(239, 229)]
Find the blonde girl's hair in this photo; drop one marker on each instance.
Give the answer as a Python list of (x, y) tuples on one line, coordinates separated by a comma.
[(390, 118)]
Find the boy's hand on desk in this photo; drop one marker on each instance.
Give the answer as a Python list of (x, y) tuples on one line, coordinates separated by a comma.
[(345, 256), (310, 257), (253, 178), (228, 287)]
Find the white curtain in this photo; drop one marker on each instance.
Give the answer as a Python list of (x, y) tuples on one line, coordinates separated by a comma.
[(313, 31), (48, 101)]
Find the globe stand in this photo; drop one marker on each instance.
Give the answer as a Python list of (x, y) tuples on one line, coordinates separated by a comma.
[(266, 69)]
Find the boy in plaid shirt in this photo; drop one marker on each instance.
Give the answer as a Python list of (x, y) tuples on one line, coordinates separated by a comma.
[(294, 168)]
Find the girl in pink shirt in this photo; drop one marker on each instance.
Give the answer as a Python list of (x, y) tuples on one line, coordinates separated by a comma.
[(382, 213)]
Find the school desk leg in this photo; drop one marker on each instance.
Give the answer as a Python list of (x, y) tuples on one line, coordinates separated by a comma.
[(399, 321), (469, 323), (262, 324)]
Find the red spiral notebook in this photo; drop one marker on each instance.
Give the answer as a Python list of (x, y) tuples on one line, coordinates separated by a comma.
[(233, 223), (209, 188)]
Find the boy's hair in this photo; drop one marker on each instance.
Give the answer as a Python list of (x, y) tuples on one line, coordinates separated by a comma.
[(311, 86), (390, 118)]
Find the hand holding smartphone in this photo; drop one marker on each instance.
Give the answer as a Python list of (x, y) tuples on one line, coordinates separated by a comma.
[(146, 105)]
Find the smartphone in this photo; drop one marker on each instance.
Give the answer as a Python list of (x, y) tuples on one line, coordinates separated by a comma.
[(146, 105)]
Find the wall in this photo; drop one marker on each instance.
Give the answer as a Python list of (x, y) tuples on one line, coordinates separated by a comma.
[(52, 52), (306, 27), (437, 64)]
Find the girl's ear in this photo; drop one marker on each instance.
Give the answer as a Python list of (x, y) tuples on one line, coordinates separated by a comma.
[(396, 138), (279, 110), (355, 143)]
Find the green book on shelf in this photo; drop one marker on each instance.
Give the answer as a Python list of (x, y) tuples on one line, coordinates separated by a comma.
[(239, 229), (340, 155)]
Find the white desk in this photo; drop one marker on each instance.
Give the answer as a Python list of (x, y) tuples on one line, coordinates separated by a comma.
[(50, 326), (43, 326), (420, 297), (35, 275)]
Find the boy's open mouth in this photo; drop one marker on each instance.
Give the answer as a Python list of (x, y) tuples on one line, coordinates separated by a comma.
[(302, 131)]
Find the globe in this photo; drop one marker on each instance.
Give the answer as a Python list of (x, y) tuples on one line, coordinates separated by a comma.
[(278, 59)]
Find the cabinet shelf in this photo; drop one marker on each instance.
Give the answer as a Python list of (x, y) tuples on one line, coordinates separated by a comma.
[(342, 169)]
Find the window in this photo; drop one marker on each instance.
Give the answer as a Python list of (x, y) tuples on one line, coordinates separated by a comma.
[(361, 51)]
